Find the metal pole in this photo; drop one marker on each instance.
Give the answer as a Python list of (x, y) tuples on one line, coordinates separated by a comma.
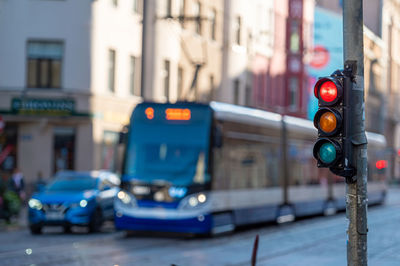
[(356, 191), (143, 71), (148, 49)]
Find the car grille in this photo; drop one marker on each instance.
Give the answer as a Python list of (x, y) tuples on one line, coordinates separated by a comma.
[(58, 207)]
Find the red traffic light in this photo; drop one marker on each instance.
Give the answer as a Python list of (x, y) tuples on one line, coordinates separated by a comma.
[(328, 91)]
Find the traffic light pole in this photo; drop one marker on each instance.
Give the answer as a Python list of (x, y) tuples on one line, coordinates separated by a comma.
[(356, 189)]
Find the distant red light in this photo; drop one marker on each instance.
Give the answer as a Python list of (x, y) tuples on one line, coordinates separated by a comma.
[(328, 91), (381, 164)]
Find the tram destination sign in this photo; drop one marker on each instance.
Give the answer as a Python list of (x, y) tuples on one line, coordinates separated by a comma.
[(51, 107)]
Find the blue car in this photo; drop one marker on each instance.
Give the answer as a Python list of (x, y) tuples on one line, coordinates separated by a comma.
[(74, 199)]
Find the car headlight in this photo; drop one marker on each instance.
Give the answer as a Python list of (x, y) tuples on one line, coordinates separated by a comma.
[(83, 203), (126, 199), (35, 204), (193, 201)]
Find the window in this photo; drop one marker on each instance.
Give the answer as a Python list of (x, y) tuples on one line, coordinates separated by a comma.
[(168, 11), (213, 22), (293, 95), (246, 163), (237, 28), (236, 92), (197, 12), (44, 64), (138, 6), (134, 76), (212, 88), (109, 151), (63, 148), (111, 70), (248, 95), (294, 37), (166, 79), (180, 82), (182, 6)]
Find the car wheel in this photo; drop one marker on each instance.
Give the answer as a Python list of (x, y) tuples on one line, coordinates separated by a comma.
[(35, 229), (96, 221)]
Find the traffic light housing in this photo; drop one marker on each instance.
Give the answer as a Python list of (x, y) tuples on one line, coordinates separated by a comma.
[(333, 148)]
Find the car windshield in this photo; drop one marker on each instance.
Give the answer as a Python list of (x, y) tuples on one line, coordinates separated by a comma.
[(72, 184)]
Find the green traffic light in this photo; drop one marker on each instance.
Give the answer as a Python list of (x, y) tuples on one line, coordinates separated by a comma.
[(327, 153)]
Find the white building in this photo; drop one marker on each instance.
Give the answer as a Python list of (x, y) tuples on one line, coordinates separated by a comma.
[(248, 33), (69, 78)]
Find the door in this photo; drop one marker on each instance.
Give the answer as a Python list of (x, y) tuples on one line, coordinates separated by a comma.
[(64, 148)]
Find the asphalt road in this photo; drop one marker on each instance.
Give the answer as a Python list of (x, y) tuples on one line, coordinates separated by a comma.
[(316, 241)]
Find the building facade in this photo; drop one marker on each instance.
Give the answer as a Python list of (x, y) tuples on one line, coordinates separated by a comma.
[(67, 86), (186, 63), (70, 74), (390, 27), (280, 80)]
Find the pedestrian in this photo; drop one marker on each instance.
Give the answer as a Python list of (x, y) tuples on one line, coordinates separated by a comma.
[(17, 183)]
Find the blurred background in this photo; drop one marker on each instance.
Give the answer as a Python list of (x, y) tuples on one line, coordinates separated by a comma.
[(71, 71)]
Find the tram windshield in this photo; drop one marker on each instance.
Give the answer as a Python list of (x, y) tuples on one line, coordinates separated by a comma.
[(170, 151)]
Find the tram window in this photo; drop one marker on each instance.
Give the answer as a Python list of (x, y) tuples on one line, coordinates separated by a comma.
[(376, 172), (302, 169), (241, 165)]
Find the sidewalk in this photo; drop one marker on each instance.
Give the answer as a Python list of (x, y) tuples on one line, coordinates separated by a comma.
[(16, 222)]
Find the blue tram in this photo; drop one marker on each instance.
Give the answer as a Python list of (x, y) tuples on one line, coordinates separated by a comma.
[(208, 168)]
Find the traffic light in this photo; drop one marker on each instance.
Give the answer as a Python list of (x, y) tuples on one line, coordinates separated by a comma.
[(333, 147)]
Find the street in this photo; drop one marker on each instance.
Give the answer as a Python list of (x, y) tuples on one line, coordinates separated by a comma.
[(314, 241)]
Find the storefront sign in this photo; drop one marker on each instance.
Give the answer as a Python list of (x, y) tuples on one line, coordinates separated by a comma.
[(32, 106)]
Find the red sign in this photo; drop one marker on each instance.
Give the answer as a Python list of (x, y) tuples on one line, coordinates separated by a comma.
[(320, 57), (2, 124)]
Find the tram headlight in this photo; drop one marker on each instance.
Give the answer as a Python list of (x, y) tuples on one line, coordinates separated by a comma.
[(35, 204), (193, 201), (126, 199)]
